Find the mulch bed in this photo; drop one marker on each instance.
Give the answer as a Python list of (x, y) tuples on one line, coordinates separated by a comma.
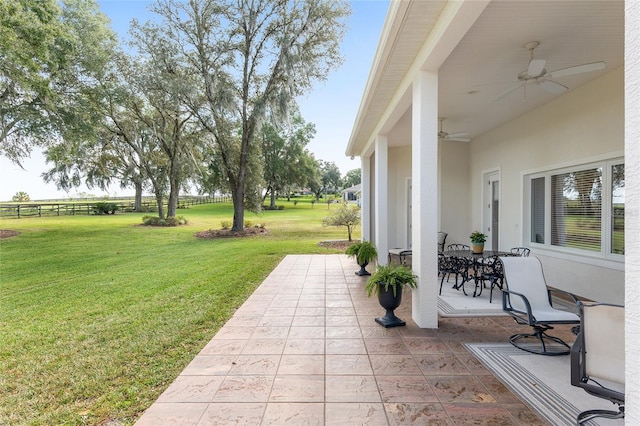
[(228, 233), (336, 244), (8, 233)]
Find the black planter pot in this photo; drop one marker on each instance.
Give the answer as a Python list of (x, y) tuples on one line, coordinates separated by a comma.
[(390, 303), (363, 272)]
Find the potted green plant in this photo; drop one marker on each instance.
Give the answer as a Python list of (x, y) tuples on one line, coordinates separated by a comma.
[(477, 241), (387, 283), (364, 252)]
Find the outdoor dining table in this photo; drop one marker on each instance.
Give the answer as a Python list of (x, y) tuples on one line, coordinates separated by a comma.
[(476, 261)]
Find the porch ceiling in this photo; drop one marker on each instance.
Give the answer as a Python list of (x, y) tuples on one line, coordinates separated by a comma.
[(485, 62)]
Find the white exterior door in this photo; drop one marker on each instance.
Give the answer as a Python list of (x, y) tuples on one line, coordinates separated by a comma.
[(491, 209)]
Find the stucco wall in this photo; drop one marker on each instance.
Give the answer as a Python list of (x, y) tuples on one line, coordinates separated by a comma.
[(399, 172), (571, 129), (455, 215), (632, 155)]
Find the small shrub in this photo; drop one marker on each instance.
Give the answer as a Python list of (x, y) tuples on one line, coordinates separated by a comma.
[(170, 221), (104, 207), (248, 224), (280, 207), (295, 203), (225, 224)]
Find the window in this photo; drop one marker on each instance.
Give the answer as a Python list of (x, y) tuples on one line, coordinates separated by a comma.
[(578, 209)]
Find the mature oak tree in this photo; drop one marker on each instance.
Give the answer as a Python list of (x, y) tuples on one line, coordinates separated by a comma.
[(51, 56), (252, 57)]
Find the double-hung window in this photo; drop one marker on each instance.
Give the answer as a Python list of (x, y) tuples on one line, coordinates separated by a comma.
[(578, 209)]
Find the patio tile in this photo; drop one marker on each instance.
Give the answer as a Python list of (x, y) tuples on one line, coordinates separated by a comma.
[(248, 414), (304, 349), (244, 389), (285, 321), (304, 346), (351, 389), (405, 389), (270, 332), (223, 347), (298, 388), (349, 413), (345, 346), (460, 389), (394, 365), (342, 320), (418, 345), (313, 332), (264, 346), (209, 365), (498, 390), (486, 414), (348, 365), (293, 413), (307, 321), (301, 364), (416, 414), (386, 346), (255, 365), (441, 364), (192, 389), (172, 414), (343, 332)]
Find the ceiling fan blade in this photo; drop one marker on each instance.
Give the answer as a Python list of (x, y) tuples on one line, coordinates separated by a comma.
[(458, 135), (506, 92), (457, 139), (578, 69), (553, 87), (536, 66)]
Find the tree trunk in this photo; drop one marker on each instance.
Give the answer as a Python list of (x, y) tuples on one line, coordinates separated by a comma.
[(138, 199), (159, 202), (174, 193), (238, 208), (272, 205)]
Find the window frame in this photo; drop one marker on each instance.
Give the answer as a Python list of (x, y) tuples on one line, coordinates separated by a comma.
[(606, 222)]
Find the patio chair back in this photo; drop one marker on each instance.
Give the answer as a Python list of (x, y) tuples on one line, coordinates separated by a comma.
[(524, 275), (603, 333)]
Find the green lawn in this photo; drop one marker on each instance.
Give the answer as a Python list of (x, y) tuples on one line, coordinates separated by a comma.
[(98, 315)]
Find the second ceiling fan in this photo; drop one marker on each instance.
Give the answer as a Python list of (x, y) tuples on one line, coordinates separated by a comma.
[(459, 137), (536, 73)]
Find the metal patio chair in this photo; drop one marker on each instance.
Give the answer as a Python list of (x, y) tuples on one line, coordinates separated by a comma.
[(526, 297)]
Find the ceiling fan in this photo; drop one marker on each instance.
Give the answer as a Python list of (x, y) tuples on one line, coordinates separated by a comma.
[(536, 73), (459, 137)]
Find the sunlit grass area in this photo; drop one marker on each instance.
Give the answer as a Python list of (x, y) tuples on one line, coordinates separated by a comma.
[(98, 314)]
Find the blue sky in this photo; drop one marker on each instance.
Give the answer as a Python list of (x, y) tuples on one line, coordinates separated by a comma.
[(332, 105)]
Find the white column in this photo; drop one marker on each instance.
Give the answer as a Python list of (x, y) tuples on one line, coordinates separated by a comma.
[(381, 202), (632, 212), (424, 171), (365, 198)]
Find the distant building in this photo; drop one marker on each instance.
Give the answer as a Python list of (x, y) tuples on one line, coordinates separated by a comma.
[(352, 193)]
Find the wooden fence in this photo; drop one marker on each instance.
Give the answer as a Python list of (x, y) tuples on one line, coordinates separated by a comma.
[(22, 210)]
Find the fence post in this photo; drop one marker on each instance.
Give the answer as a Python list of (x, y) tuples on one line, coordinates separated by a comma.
[(18, 211)]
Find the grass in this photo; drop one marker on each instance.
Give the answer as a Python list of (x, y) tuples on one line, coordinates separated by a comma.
[(98, 315)]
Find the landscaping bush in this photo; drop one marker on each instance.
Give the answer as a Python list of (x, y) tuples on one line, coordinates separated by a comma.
[(104, 207), (225, 224), (170, 221)]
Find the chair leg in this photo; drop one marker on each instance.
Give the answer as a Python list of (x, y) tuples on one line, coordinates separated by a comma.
[(607, 414), (539, 333)]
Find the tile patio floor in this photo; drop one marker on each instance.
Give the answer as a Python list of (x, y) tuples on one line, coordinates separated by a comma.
[(304, 350)]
